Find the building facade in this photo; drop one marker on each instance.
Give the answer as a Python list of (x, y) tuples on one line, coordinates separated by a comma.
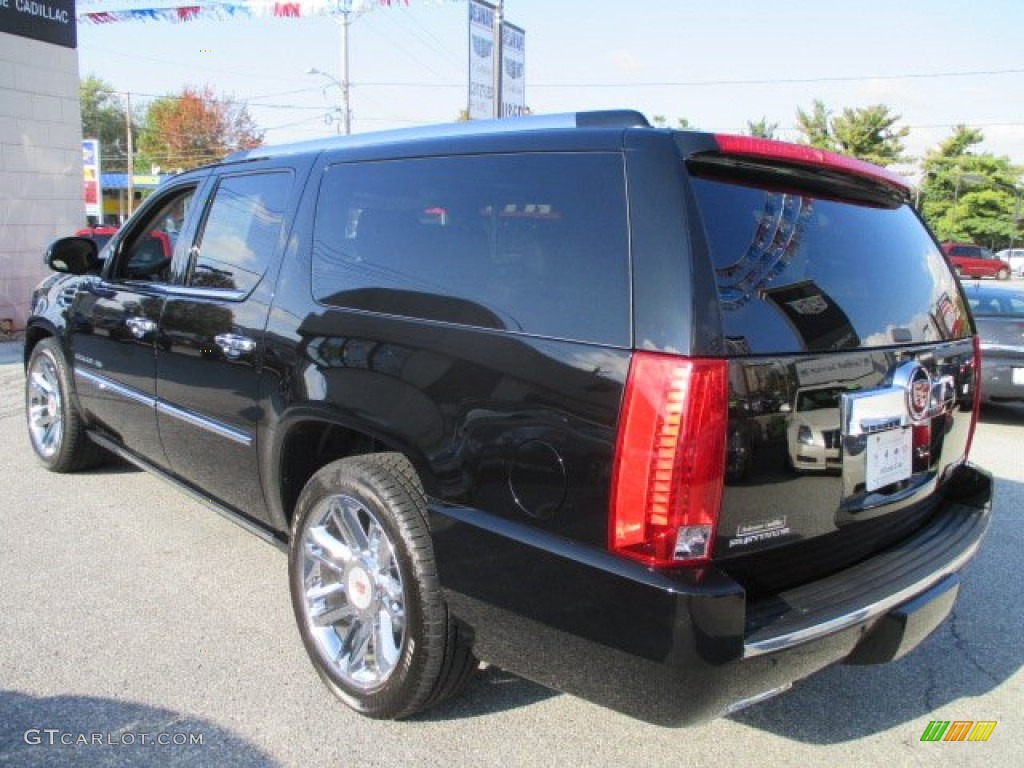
[(40, 144)]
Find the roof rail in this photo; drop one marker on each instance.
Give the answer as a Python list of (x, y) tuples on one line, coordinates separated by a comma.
[(618, 118)]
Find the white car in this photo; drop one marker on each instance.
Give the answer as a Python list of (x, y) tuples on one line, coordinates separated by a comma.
[(1015, 258), (812, 429)]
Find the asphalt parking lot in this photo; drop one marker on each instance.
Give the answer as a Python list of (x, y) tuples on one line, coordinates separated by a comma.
[(131, 615)]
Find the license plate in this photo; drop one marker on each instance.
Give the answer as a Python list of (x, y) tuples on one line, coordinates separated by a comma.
[(889, 457), (1018, 377)]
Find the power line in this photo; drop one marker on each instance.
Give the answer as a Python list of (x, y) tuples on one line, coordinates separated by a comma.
[(783, 80), (421, 33), (701, 83)]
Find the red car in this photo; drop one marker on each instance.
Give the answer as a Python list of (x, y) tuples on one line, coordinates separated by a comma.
[(99, 235), (975, 261)]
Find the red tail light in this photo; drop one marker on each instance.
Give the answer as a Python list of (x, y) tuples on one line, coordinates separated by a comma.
[(976, 391), (669, 460)]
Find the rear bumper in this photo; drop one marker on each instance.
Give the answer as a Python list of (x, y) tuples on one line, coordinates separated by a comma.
[(997, 377), (678, 648)]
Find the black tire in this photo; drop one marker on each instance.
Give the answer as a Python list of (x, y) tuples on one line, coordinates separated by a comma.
[(56, 428), (366, 593)]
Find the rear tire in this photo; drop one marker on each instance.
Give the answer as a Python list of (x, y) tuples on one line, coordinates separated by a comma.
[(366, 593), (1003, 274), (55, 427)]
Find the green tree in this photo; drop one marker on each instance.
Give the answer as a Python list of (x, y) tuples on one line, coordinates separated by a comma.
[(868, 133), (682, 124), (103, 118), (967, 195), (814, 126), (762, 128), (195, 127)]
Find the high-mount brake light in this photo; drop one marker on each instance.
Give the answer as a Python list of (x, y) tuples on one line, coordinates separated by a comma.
[(669, 460), (798, 154)]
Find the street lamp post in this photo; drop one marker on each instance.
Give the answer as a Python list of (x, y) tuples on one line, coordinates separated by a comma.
[(346, 112), (1015, 218), (970, 178), (499, 53), (344, 123), (346, 11)]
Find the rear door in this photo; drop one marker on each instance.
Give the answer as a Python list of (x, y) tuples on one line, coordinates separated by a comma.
[(851, 366)]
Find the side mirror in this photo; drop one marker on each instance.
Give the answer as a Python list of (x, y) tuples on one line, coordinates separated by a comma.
[(72, 255)]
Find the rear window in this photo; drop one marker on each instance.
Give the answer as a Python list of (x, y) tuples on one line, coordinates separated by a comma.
[(996, 302), (797, 272), (971, 252), (531, 243)]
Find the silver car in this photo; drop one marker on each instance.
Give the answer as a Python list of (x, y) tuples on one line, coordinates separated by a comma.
[(1015, 258)]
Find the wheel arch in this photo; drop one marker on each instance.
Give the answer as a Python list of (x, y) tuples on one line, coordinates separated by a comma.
[(308, 439), (34, 333)]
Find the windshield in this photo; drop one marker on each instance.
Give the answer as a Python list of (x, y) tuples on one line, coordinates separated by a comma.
[(818, 399)]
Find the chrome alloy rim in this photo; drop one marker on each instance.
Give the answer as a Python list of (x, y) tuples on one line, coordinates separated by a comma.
[(353, 598), (45, 406)]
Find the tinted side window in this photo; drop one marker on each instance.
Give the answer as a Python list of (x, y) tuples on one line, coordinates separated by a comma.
[(799, 273), (535, 243), (241, 232)]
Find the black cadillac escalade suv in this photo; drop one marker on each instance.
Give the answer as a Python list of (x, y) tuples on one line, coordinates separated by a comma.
[(524, 392)]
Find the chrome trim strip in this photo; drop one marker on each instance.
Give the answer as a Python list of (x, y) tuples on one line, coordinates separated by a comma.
[(189, 292), (107, 385), (216, 427), (868, 612)]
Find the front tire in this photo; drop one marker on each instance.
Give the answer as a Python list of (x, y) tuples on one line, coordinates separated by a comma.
[(55, 427), (366, 593), (1003, 274)]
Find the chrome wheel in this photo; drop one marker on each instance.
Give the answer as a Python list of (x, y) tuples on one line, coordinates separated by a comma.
[(45, 406), (354, 602)]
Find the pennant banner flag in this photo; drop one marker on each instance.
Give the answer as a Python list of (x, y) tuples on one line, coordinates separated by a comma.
[(231, 10)]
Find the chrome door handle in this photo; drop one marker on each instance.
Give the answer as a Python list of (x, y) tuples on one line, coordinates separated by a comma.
[(140, 326), (234, 346)]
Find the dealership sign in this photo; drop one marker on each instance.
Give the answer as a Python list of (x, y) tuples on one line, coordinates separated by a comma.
[(513, 69), (483, 59), (51, 21), (92, 192)]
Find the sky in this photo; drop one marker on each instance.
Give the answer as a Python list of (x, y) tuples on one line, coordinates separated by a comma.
[(936, 63)]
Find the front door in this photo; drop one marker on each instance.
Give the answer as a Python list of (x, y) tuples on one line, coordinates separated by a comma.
[(113, 325)]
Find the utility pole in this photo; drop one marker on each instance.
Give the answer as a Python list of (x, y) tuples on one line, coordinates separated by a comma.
[(131, 153), (499, 13), (346, 114)]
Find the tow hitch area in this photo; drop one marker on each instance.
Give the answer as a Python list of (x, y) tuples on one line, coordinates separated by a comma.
[(902, 629)]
